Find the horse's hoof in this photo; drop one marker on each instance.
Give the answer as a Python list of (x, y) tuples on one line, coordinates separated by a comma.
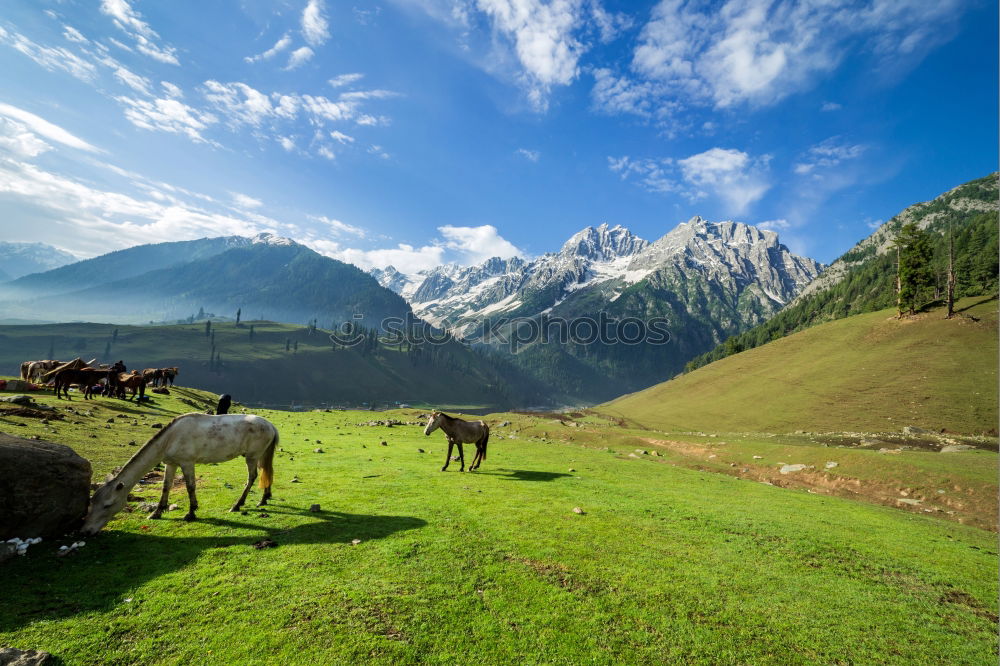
[(235, 509), (444, 469), (189, 517), (154, 516)]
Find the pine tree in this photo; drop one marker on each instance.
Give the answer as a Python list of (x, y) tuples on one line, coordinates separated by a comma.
[(239, 311), (913, 267)]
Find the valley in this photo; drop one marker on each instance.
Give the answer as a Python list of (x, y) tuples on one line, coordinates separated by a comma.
[(407, 564)]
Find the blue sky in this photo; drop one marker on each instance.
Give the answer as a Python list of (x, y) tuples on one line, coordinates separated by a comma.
[(414, 132)]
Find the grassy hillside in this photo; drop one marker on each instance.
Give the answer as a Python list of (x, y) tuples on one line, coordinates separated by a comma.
[(863, 279), (867, 372), (260, 370), (666, 564)]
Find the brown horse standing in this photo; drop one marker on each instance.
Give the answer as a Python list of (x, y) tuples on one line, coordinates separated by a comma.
[(459, 431), (86, 378), (133, 381)]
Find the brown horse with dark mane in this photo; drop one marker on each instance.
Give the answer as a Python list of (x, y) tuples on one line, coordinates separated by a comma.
[(85, 378), (459, 431)]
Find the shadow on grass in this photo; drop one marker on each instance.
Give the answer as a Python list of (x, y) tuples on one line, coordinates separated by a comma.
[(114, 562), (525, 475), (982, 302)]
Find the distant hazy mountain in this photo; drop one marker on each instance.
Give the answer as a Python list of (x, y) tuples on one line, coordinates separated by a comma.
[(266, 276), (118, 265), (17, 259), (707, 280)]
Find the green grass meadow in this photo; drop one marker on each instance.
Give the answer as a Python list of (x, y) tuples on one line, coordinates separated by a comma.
[(867, 372), (676, 559)]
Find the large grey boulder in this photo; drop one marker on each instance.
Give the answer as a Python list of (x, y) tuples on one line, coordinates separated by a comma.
[(13, 657), (44, 488)]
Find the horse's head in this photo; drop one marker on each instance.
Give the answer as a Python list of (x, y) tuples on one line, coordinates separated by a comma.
[(433, 423), (108, 500)]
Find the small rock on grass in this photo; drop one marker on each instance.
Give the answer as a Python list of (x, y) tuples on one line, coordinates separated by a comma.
[(355, 542), (172, 507), (317, 450), (830, 465), (788, 469), (758, 457), (384, 443), (314, 508), (421, 451), (578, 510), (264, 543)]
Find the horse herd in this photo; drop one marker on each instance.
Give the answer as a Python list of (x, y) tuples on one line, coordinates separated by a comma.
[(203, 438), (107, 380)]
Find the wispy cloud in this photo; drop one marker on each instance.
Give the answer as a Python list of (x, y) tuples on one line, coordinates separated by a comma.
[(51, 58), (345, 79), (299, 57), (44, 128), (528, 154), (732, 175), (315, 28), (165, 114), (757, 52), (283, 43), (130, 22), (828, 153)]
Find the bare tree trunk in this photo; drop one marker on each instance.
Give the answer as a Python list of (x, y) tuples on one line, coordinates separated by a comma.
[(899, 289), (951, 272)]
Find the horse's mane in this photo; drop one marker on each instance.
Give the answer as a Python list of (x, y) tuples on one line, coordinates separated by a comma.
[(449, 418), (151, 441)]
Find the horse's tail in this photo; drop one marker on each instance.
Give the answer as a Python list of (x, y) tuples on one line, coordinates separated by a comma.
[(485, 440), (266, 463)]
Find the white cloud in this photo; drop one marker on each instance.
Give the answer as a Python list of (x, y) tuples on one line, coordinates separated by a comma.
[(315, 28), (172, 90), (340, 228), (245, 201), (130, 22), (168, 115), (134, 81), (653, 174), (732, 175), (775, 225), (463, 245), (279, 46), (758, 52), (828, 153), (299, 57), (542, 36), (45, 128), (528, 154), (74, 35), (51, 58), (406, 258), (239, 103), (830, 106), (377, 151), (345, 79), (340, 137), (18, 140), (94, 221), (477, 244)]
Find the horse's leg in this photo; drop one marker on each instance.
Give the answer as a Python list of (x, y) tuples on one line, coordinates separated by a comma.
[(476, 458), (168, 482), (447, 459), (461, 456), (188, 470), (251, 477)]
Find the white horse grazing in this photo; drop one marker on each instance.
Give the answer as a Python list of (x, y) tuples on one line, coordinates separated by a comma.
[(189, 439)]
